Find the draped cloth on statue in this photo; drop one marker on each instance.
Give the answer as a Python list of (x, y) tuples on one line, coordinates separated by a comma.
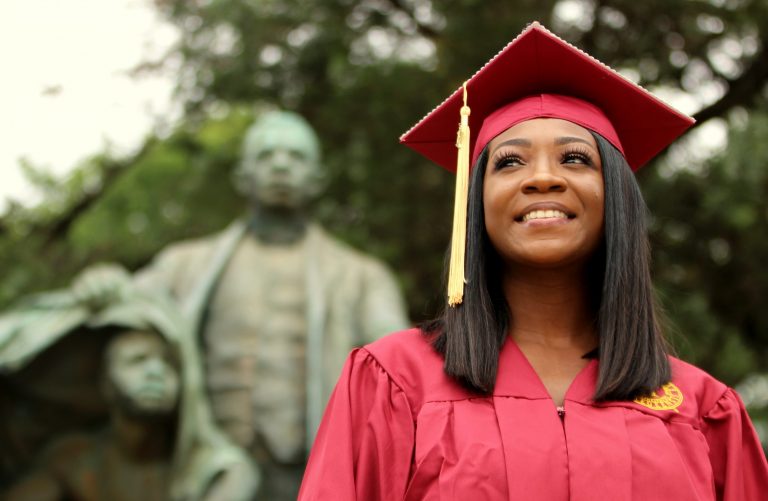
[(398, 428), (63, 339)]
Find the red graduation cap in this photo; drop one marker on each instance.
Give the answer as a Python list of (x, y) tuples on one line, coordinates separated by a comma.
[(539, 62), (539, 75)]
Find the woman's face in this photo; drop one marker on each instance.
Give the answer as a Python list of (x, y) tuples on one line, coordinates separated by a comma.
[(543, 194)]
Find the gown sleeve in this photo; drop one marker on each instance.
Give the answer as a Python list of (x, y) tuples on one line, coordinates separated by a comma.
[(738, 461), (365, 441)]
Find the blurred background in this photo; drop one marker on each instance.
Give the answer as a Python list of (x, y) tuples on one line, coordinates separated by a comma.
[(123, 121)]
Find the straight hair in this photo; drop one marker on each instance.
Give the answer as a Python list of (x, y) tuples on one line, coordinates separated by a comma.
[(631, 348)]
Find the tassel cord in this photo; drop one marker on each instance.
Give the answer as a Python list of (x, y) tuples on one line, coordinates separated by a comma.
[(456, 278)]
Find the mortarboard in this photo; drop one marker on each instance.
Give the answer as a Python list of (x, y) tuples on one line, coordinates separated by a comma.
[(538, 75)]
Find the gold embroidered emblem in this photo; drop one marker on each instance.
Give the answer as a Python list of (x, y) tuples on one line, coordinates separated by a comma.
[(670, 400)]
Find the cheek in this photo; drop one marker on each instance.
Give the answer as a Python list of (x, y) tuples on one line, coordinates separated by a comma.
[(495, 197), (598, 206), (600, 198), (592, 190), (490, 210), (599, 201), (497, 223), (172, 384), (123, 379)]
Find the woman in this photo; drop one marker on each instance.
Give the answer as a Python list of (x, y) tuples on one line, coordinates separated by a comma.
[(546, 377)]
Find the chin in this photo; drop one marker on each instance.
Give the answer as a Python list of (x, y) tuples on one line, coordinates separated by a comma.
[(150, 407), (151, 410), (548, 256), (281, 203)]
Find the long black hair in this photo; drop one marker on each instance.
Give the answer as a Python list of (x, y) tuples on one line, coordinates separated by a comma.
[(631, 348)]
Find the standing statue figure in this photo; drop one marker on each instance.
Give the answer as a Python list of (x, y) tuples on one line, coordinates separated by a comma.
[(277, 303), (159, 443)]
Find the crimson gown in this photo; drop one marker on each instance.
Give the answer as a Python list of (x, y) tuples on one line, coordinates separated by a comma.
[(397, 428)]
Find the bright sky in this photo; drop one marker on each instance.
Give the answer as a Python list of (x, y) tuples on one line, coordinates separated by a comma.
[(65, 88), (65, 91)]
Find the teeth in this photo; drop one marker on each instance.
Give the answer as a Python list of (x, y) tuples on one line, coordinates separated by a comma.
[(541, 214)]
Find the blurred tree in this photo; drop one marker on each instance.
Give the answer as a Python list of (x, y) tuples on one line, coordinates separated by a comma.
[(362, 71), (709, 230)]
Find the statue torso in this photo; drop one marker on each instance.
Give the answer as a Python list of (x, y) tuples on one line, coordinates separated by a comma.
[(254, 333)]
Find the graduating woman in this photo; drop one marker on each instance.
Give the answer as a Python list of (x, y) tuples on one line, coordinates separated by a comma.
[(546, 377)]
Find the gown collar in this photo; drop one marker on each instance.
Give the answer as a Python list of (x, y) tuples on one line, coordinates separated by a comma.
[(517, 378)]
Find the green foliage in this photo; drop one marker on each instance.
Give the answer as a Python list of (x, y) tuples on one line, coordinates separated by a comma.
[(362, 72), (709, 237), (179, 187)]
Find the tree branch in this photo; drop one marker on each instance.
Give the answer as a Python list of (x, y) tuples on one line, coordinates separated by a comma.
[(742, 90), (424, 30), (59, 228)]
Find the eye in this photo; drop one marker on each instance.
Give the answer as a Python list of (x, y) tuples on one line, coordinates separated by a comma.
[(507, 160), (297, 155), (577, 156), (264, 154)]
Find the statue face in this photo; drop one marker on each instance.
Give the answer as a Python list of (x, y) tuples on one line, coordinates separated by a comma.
[(281, 165), (141, 374)]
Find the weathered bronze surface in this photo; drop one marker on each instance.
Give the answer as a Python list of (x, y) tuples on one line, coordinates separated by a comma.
[(274, 301), (277, 303), (110, 386)]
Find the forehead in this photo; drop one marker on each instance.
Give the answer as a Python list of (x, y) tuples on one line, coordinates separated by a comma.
[(129, 343), (282, 137), (543, 129)]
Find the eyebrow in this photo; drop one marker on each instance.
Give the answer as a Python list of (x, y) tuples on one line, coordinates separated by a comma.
[(513, 142), (569, 139)]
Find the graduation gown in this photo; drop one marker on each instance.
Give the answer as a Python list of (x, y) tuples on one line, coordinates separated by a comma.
[(397, 428)]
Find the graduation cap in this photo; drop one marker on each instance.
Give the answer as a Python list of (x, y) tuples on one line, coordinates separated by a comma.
[(538, 75)]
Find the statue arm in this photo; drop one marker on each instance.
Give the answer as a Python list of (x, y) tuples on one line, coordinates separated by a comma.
[(162, 272), (238, 482), (178, 269)]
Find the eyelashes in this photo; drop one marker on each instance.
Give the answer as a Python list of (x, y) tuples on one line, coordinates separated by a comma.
[(578, 154), (506, 159), (573, 154)]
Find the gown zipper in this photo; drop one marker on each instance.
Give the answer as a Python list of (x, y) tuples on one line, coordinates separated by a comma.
[(561, 412)]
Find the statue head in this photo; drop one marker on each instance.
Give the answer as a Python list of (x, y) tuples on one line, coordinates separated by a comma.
[(142, 378), (280, 165)]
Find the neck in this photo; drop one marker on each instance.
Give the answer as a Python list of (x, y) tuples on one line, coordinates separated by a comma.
[(278, 225), (142, 438), (551, 308)]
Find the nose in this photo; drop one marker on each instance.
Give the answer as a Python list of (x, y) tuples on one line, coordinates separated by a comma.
[(544, 179), (281, 160), (155, 368)]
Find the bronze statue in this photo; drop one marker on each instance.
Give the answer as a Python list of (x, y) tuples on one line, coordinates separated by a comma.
[(277, 303), (160, 442)]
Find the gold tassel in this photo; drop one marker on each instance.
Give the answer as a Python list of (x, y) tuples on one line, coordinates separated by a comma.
[(458, 241)]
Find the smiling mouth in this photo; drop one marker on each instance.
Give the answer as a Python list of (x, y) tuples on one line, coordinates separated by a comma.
[(543, 214)]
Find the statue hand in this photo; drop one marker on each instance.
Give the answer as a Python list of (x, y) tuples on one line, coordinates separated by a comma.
[(100, 284), (239, 483)]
